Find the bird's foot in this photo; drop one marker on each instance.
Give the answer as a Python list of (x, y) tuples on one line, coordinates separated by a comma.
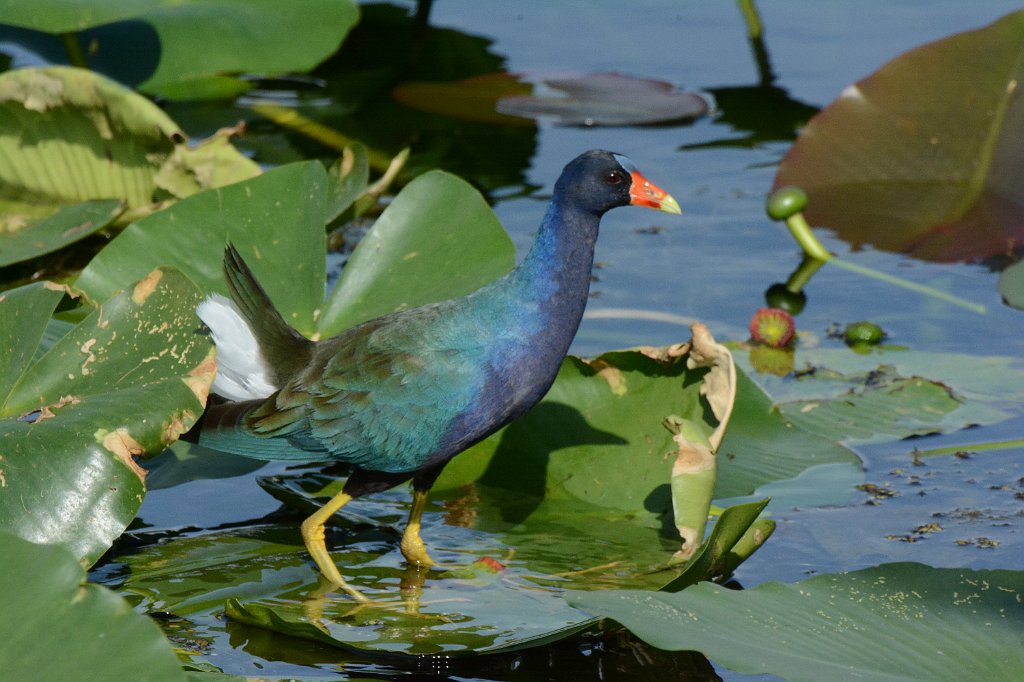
[(313, 537), (413, 549)]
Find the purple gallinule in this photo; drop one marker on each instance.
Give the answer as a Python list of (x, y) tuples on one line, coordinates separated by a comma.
[(400, 395)]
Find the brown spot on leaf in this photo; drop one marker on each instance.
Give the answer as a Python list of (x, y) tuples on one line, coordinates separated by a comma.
[(177, 425), (691, 458), (90, 356), (124, 447), (147, 286), (53, 286), (665, 354), (611, 374), (201, 377)]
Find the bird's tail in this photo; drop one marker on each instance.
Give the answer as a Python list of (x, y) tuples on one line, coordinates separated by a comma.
[(256, 348)]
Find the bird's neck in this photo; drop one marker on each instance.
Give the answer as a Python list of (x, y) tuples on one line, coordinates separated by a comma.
[(553, 280)]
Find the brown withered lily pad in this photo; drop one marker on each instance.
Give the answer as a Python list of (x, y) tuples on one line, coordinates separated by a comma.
[(914, 161)]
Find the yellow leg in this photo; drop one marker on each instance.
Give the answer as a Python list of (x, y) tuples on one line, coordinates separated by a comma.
[(313, 536), (413, 549)]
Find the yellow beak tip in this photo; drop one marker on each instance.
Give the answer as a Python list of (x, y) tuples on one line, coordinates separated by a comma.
[(670, 205)]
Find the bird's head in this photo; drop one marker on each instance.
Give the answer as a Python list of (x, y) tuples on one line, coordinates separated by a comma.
[(597, 181)]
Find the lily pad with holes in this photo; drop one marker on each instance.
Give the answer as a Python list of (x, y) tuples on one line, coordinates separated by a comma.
[(125, 382)]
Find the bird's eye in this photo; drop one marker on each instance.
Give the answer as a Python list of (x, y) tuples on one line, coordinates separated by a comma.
[(615, 178)]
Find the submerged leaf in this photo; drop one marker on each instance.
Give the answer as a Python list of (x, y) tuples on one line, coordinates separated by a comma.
[(606, 99), (472, 99), (891, 394)]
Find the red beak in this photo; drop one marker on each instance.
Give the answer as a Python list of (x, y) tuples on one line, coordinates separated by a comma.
[(643, 192)]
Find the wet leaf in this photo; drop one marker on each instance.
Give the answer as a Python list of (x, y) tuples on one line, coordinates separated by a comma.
[(193, 43), (49, 608), (125, 382), (892, 622), (763, 446), (606, 99), (909, 161), (892, 394), (22, 238)]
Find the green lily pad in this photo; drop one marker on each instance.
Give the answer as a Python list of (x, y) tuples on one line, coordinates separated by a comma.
[(438, 239), (908, 161), (194, 42), (762, 446), (275, 220), (49, 607), (893, 622), (69, 135), (125, 382), (55, 231)]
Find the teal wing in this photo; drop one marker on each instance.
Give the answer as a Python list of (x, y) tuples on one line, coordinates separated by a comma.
[(383, 394)]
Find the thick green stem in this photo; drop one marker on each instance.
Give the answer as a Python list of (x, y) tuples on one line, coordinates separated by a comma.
[(801, 231), (751, 18), (74, 49), (803, 235), (802, 275)]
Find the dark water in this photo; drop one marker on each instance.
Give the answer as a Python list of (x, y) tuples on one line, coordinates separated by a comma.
[(713, 264)]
